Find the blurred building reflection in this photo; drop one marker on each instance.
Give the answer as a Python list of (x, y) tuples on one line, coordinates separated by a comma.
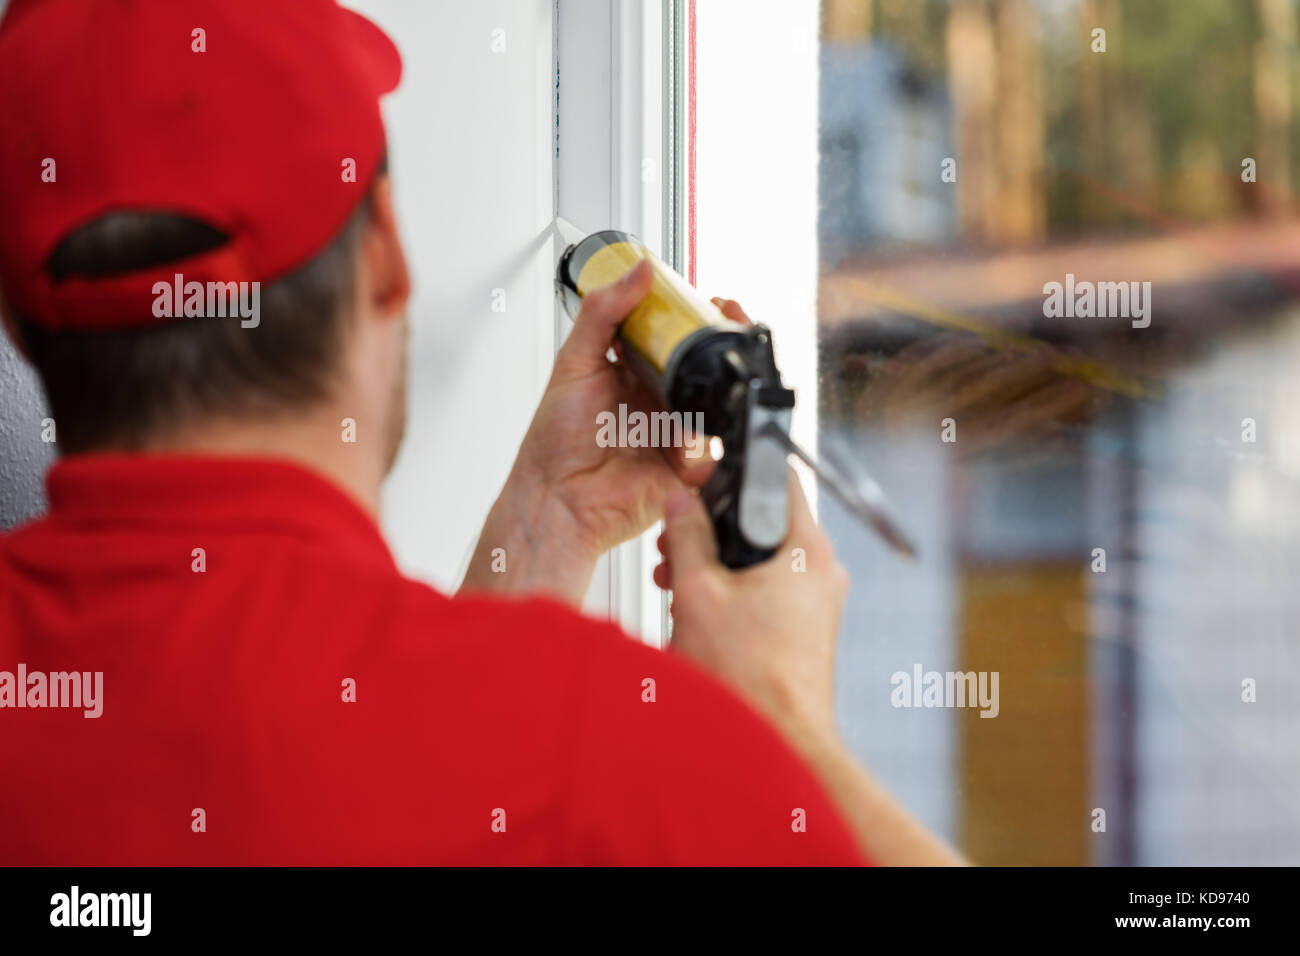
[(1171, 449)]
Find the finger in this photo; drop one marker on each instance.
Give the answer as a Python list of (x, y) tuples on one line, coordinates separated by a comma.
[(663, 575), (689, 457), (732, 310), (692, 461), (692, 548), (602, 311)]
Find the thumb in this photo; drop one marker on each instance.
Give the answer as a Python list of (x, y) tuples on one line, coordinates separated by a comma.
[(691, 546), (602, 311)]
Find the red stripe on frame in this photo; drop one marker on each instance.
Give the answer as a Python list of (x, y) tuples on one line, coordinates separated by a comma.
[(690, 145)]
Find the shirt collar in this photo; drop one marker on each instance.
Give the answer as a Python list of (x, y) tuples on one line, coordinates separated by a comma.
[(192, 491)]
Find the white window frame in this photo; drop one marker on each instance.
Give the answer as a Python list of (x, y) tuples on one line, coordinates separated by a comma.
[(615, 75)]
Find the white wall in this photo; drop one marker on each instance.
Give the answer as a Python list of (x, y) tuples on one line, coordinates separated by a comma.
[(471, 142), (23, 455)]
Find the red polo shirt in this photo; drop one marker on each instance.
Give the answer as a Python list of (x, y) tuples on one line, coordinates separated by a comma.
[(482, 731)]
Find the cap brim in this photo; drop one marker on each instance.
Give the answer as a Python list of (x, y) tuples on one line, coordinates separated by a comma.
[(379, 54)]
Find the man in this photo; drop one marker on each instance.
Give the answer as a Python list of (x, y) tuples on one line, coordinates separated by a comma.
[(207, 655)]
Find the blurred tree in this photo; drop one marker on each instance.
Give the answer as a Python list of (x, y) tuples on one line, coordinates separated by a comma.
[(1193, 62), (1020, 213), (845, 20), (1054, 138), (1096, 92), (972, 86), (1274, 59)]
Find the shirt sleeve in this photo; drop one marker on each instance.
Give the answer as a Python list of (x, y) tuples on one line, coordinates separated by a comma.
[(670, 767)]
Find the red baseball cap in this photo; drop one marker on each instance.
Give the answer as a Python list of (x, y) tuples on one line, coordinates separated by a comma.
[(258, 118)]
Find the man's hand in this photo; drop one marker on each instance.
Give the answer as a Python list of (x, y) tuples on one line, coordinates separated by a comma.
[(568, 500), (768, 630)]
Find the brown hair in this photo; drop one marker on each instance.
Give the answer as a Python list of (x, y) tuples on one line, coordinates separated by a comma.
[(123, 388)]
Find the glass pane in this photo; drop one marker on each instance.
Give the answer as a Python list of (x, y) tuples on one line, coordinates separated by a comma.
[(1058, 322)]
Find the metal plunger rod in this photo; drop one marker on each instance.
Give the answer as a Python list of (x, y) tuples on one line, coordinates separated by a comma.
[(863, 497)]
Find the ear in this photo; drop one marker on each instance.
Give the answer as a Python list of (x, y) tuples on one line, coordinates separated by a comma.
[(11, 327), (389, 285)]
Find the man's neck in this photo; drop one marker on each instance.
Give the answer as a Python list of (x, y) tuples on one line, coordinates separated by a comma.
[(316, 443)]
